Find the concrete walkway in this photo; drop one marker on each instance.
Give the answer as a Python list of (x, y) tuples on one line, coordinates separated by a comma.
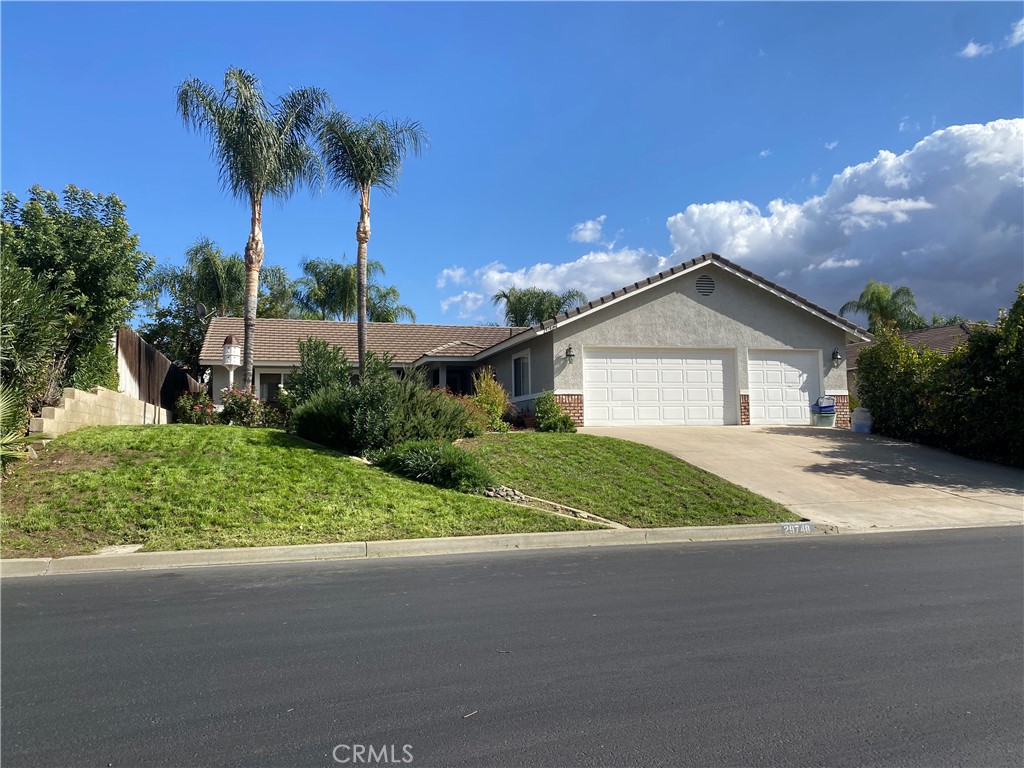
[(837, 477)]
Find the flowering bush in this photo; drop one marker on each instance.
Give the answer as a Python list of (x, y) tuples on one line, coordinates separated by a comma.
[(242, 408), (195, 409), (493, 399)]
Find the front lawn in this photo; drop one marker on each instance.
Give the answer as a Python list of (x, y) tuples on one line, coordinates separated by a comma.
[(633, 484), (190, 487)]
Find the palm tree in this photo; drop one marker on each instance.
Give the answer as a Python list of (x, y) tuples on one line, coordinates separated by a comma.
[(360, 156), (261, 149), (884, 306), (529, 306), (218, 280), (330, 290), (382, 306)]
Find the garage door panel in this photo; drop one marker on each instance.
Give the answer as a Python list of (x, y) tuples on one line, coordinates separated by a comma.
[(782, 384), (653, 386)]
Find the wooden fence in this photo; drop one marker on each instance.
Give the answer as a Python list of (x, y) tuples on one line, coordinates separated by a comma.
[(147, 375)]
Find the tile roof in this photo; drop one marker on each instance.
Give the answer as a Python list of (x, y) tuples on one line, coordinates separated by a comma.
[(686, 265), (944, 339), (278, 340)]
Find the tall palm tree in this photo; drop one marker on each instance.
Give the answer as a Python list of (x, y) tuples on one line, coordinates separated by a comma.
[(260, 149), (382, 306), (360, 156), (884, 305), (529, 306)]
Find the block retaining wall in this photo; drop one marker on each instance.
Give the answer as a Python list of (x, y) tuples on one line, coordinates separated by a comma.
[(79, 408)]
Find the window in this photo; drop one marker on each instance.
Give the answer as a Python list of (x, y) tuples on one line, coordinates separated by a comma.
[(521, 375), (269, 384)]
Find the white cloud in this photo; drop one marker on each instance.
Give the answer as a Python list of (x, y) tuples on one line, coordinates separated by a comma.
[(831, 144), (764, 153), (1016, 37), (814, 179), (945, 217), (453, 275), (906, 124), (973, 50), (466, 303), (587, 231)]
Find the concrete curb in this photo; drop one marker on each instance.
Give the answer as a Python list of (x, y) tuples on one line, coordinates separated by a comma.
[(138, 561)]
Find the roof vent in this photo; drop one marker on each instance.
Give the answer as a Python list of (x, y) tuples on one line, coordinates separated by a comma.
[(705, 285)]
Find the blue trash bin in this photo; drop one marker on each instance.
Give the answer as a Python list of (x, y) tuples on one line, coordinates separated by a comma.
[(823, 412)]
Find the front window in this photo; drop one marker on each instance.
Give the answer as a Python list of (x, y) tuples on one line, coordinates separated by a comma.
[(520, 376), (269, 384)]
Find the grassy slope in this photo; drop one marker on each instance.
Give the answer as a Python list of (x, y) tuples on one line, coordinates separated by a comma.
[(630, 483), (183, 487)]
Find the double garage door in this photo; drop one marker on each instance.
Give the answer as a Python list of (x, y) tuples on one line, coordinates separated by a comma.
[(648, 387), (630, 387)]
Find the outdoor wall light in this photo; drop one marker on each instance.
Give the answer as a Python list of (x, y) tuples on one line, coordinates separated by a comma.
[(232, 358), (569, 354), (837, 357)]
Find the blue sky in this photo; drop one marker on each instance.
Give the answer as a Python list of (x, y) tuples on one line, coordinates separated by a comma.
[(680, 124)]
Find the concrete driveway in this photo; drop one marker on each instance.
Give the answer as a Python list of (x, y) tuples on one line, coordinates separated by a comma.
[(847, 479)]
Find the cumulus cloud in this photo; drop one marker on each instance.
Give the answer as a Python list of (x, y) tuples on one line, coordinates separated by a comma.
[(587, 231), (973, 50), (1016, 36), (453, 275), (466, 305), (946, 217)]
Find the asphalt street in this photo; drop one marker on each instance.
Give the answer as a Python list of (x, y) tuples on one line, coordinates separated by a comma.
[(887, 649)]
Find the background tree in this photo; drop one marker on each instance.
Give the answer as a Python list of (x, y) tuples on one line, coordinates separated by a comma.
[(529, 306), (79, 250), (883, 305), (277, 294), (330, 289), (941, 321), (360, 156), (260, 149), (383, 306)]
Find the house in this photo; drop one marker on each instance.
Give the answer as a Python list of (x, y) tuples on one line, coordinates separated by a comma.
[(944, 340), (706, 342)]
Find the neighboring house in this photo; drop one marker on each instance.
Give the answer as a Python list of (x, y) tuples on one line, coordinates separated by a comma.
[(944, 340), (705, 342)]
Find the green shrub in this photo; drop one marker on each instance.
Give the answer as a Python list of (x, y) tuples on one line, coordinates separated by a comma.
[(437, 463), (967, 402), (477, 420), (325, 418), (242, 408), (195, 408), (492, 398), (550, 415), (320, 366)]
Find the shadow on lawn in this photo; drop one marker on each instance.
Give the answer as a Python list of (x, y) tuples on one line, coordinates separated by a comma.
[(883, 459)]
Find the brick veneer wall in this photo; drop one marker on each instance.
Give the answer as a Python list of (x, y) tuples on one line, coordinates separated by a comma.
[(842, 411), (745, 409), (573, 405)]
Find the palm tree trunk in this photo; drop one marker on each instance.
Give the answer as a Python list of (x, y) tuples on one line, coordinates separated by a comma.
[(362, 238), (253, 265)]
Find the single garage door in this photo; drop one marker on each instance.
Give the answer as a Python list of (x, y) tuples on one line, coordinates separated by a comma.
[(782, 386), (632, 387)]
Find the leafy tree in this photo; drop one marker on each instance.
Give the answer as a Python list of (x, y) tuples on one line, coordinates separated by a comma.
[(261, 149), (360, 156), (383, 306), (529, 306), (883, 305), (942, 321), (320, 367), (277, 294), (81, 251)]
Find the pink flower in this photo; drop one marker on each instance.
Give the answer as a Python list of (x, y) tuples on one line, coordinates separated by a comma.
[(197, 407)]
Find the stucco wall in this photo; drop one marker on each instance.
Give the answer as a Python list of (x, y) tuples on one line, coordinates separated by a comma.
[(541, 368), (738, 315)]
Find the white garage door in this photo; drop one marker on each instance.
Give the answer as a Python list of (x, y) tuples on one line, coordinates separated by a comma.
[(782, 386), (630, 387)]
